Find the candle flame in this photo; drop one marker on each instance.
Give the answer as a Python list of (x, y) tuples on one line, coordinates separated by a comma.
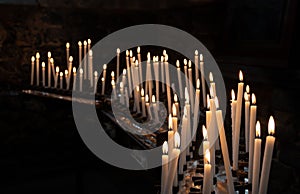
[(204, 132), (164, 52), (174, 110), (130, 53), (207, 156), (142, 92), (96, 74), (246, 96), (32, 59), (102, 79), (89, 41), (175, 98), (185, 62), (133, 59), (49, 54), (112, 74), (70, 58), (81, 71), (271, 126), (201, 57), (170, 122), (148, 57), (127, 53), (241, 76), (79, 43), (138, 50), (162, 59), (196, 52), (153, 98), (104, 66), (190, 64), (37, 55), (176, 140), (67, 45), (165, 147), (51, 60), (138, 88), (43, 64), (61, 74), (198, 84), (232, 95), (85, 43), (124, 71), (211, 78), (57, 69), (66, 72), (208, 101), (177, 64), (147, 98), (247, 89), (74, 69), (90, 53), (118, 51), (253, 98), (257, 131), (136, 63)]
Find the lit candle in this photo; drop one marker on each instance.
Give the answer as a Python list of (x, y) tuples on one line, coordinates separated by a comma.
[(113, 85), (67, 52), (256, 159), (156, 75), (196, 110), (188, 115), (174, 118), (61, 74), (179, 79), (122, 93), (37, 56), (49, 69), (229, 181), (129, 73), (177, 105), (212, 86), (67, 79), (165, 167), (168, 84), (148, 107), (80, 54), (43, 73), (84, 59), (247, 117), (162, 73), (74, 78), (233, 110), (138, 108), (205, 143), (126, 97), (91, 67), (267, 159), (149, 72), (182, 159), (207, 174), (89, 41), (196, 65), (95, 81), (52, 66), (253, 110), (69, 70), (124, 77), (140, 63), (238, 120), (118, 63), (190, 86), (103, 85), (212, 133), (80, 79), (143, 102), (104, 78), (170, 137), (155, 111), (32, 70), (56, 77), (185, 73), (203, 80)]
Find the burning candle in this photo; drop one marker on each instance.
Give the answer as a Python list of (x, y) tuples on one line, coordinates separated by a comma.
[(80, 53), (74, 78), (52, 66), (122, 100), (148, 106), (188, 115), (267, 159), (196, 110), (37, 56), (129, 73), (165, 167), (67, 79), (113, 85), (124, 77), (69, 70), (95, 81), (162, 73), (233, 110), (118, 63), (103, 85), (170, 137), (84, 59), (49, 69), (32, 70), (238, 120), (143, 102), (80, 79), (185, 73), (156, 75), (174, 118), (182, 159), (89, 41), (177, 105), (67, 52), (247, 117), (179, 79), (203, 80), (253, 109), (196, 58), (190, 86), (126, 97), (137, 94), (168, 84), (104, 77), (256, 159), (112, 74), (207, 174), (61, 74), (213, 92), (155, 111), (91, 67), (205, 143), (56, 76), (140, 63), (43, 73)]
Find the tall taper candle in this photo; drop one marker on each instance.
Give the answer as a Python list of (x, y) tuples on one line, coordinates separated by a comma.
[(61, 74), (32, 70), (203, 80), (207, 174), (196, 61), (253, 109), (79, 54), (67, 53), (196, 110), (37, 56), (80, 79), (247, 110), (43, 73), (179, 79), (170, 136), (74, 78), (85, 59), (91, 69), (56, 76), (49, 69), (118, 63), (103, 85), (164, 167), (143, 102), (95, 81), (67, 79), (162, 73), (256, 159), (233, 110)]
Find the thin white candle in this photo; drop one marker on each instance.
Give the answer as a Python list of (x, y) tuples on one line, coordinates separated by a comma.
[(196, 61), (168, 84), (191, 94), (104, 78), (174, 118), (95, 81), (89, 41), (156, 75), (74, 78), (196, 110), (188, 115), (253, 110), (148, 107), (52, 67), (256, 159), (177, 105), (213, 92), (129, 73), (56, 76), (118, 63), (247, 117), (32, 70), (43, 73), (233, 110), (207, 174), (80, 79), (37, 56), (179, 79), (80, 54), (205, 144), (267, 159), (185, 73), (49, 69), (143, 102), (91, 70), (113, 85), (122, 100), (203, 80), (155, 111), (170, 136), (67, 79), (126, 97), (61, 74), (103, 85), (124, 77), (140, 63), (69, 70), (85, 59), (182, 159), (165, 167), (67, 52), (137, 92), (162, 73)]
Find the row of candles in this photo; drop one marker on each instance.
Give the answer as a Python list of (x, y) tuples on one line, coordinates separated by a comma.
[(130, 82)]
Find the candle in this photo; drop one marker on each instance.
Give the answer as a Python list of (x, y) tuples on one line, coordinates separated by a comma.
[(103, 85), (212, 86), (118, 63), (32, 70), (137, 92), (168, 84), (84, 59), (74, 78), (43, 73), (49, 69), (190, 86), (170, 136), (207, 174), (165, 167), (80, 79), (247, 114), (196, 58), (104, 78), (56, 77), (173, 164), (67, 52), (80, 54), (156, 75), (229, 181), (177, 105), (148, 106), (140, 63), (37, 56), (162, 73), (69, 70), (89, 44), (205, 143), (126, 97), (238, 120), (122, 93), (52, 66), (196, 110), (61, 74), (91, 67), (182, 159), (128, 72), (179, 79), (67, 79), (95, 81), (253, 109), (203, 80), (233, 110), (174, 118), (124, 77), (155, 111), (212, 133), (185, 73), (113, 85), (143, 102), (256, 159), (188, 115), (267, 159)]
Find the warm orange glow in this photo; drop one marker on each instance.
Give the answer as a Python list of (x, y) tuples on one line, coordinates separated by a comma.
[(147, 98), (104, 66), (241, 76), (211, 78), (174, 110), (198, 84), (232, 95), (175, 98), (165, 148), (124, 71), (253, 98), (176, 140), (32, 59), (204, 132), (130, 53), (153, 98), (79, 43), (127, 53), (138, 50), (57, 69), (185, 62), (43, 64), (85, 43), (196, 52), (49, 54), (271, 126), (170, 122), (190, 64), (246, 96), (37, 55), (142, 92), (70, 58), (177, 64), (201, 57), (67, 45), (207, 156), (118, 51), (257, 131), (74, 69)]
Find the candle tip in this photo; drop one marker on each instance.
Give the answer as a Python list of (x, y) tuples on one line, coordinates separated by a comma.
[(271, 126), (165, 147), (176, 140), (257, 131)]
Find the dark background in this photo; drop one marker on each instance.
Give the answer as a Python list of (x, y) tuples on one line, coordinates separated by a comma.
[(41, 151)]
